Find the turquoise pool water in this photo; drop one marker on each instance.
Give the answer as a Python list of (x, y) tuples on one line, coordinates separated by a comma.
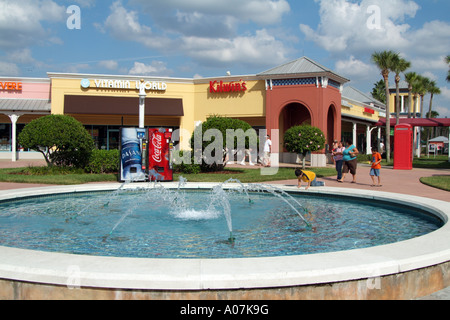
[(153, 223)]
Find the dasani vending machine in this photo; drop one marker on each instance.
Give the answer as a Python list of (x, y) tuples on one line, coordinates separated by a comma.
[(131, 146)]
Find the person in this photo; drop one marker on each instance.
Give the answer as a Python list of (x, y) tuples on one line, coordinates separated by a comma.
[(350, 162), (309, 177), (376, 166), (267, 151), (338, 156), (333, 148)]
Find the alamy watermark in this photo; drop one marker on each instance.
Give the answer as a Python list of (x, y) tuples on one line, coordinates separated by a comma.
[(73, 277), (374, 20), (212, 147), (74, 20)]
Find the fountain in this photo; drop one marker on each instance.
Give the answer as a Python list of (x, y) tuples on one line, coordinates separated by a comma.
[(295, 218), (219, 198)]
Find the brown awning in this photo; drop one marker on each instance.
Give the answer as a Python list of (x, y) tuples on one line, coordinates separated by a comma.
[(122, 106), (418, 122)]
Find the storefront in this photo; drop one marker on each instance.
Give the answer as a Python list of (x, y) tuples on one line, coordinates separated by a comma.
[(360, 113), (21, 100), (298, 92)]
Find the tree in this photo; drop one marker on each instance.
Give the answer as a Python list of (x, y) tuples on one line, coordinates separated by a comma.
[(303, 139), (400, 65), (447, 59), (61, 139), (410, 78), (432, 90), (378, 91), (385, 61), (423, 90)]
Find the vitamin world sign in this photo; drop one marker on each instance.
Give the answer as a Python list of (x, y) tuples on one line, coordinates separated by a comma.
[(220, 86)]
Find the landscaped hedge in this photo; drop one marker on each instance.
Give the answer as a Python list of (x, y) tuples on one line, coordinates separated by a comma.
[(104, 161)]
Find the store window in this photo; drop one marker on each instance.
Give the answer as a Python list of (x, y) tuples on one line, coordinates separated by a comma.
[(5, 137)]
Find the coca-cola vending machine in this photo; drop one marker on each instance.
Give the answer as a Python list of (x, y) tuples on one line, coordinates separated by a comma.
[(131, 146), (160, 154)]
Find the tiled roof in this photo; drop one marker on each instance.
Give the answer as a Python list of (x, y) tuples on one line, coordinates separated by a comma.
[(356, 95), (303, 65), (25, 105)]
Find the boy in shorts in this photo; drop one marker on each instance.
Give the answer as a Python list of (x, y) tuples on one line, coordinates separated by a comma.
[(376, 166)]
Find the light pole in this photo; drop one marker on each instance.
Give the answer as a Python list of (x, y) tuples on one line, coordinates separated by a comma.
[(142, 96)]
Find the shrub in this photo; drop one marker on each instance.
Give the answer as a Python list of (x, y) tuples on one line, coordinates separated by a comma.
[(103, 161), (61, 139), (180, 166), (304, 139)]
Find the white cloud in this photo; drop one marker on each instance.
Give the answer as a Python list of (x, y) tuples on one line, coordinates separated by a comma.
[(109, 64), (354, 68), (263, 12), (125, 25), (21, 21), (158, 68), (445, 93), (259, 49), (10, 69), (346, 26)]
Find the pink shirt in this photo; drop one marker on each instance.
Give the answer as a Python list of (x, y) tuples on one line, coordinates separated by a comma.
[(338, 156)]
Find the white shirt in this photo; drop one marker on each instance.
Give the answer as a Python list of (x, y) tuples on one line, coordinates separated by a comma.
[(267, 145)]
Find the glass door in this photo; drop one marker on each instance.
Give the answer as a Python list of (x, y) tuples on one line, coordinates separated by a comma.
[(113, 139)]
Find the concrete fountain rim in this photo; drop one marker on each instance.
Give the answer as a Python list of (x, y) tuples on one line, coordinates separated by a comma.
[(218, 274)]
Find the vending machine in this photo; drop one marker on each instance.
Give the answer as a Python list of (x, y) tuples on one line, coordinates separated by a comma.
[(160, 154), (132, 167)]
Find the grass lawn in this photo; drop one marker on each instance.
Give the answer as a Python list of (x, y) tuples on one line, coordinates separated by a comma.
[(33, 175), (22, 175), (440, 182)]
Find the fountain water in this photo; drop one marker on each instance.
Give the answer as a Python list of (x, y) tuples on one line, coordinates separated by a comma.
[(218, 199)]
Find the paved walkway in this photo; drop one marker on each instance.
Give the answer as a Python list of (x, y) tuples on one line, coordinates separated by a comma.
[(396, 181)]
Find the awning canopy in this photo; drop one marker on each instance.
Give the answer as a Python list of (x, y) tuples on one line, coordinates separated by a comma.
[(418, 122), (25, 105), (122, 106)]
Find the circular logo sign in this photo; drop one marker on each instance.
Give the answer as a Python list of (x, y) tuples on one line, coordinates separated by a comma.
[(85, 83)]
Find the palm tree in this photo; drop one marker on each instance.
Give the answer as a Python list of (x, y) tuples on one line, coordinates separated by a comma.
[(410, 78), (447, 59), (385, 61), (378, 91), (400, 65), (425, 83), (417, 89), (432, 90)]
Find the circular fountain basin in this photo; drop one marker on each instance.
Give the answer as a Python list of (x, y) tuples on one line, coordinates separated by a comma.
[(405, 269)]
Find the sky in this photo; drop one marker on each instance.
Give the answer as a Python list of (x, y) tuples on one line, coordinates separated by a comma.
[(206, 38)]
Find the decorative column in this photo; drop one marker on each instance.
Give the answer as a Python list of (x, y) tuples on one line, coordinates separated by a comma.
[(13, 118)]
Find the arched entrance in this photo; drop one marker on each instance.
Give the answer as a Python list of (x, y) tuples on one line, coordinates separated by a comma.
[(293, 114), (331, 125)]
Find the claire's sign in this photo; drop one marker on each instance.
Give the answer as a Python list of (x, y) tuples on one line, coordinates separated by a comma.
[(234, 86)]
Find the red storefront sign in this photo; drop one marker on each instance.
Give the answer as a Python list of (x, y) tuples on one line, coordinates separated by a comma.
[(220, 86), (368, 110), (11, 86)]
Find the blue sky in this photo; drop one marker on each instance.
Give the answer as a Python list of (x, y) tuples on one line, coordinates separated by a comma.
[(204, 38)]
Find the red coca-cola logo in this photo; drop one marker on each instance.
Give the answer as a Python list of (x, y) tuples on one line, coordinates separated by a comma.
[(157, 147)]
